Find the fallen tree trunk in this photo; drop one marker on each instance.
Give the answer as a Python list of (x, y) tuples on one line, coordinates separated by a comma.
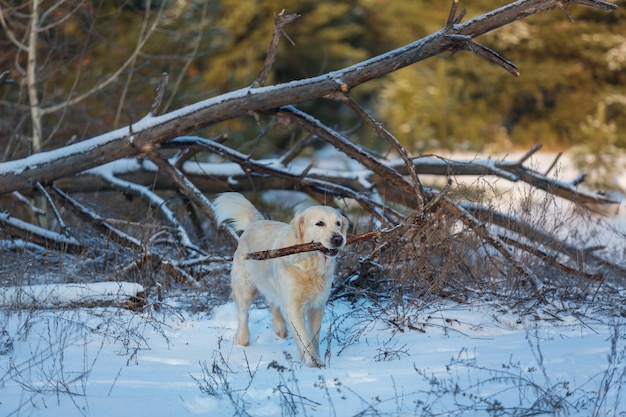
[(148, 133), (97, 294), (217, 177), (432, 234)]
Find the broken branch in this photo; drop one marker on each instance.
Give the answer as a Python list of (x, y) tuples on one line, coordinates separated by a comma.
[(314, 246)]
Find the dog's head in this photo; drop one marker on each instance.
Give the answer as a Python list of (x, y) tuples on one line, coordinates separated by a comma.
[(322, 224)]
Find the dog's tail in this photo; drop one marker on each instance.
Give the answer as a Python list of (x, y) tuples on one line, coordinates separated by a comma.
[(235, 207)]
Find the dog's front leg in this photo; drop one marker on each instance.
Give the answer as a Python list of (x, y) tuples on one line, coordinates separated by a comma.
[(308, 353), (315, 325)]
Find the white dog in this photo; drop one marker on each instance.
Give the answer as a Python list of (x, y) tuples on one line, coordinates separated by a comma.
[(296, 286)]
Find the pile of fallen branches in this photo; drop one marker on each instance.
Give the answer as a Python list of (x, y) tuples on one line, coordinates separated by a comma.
[(417, 232)]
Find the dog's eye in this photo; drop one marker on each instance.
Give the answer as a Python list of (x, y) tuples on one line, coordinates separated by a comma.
[(320, 224), (338, 223)]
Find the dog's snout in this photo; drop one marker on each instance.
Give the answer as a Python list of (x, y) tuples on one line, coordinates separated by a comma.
[(336, 240)]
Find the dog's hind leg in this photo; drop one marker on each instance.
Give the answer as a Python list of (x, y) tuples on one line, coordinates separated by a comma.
[(244, 294), (280, 327)]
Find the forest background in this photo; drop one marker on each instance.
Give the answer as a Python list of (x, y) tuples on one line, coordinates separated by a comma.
[(98, 63)]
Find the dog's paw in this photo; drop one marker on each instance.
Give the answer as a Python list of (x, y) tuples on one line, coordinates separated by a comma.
[(280, 330), (242, 339), (312, 362)]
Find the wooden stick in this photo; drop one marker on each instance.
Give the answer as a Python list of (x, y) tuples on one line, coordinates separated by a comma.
[(313, 246)]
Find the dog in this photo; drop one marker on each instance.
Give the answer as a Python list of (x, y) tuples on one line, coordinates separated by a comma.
[(296, 286)]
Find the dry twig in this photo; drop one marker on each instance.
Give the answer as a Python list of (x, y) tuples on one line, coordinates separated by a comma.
[(280, 21), (315, 246)]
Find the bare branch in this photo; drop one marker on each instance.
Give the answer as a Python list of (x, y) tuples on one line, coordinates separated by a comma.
[(10, 33), (300, 182), (31, 76), (452, 16), (99, 222), (541, 237), (345, 145), (4, 76), (314, 246), (551, 260), (530, 153), (579, 180), (214, 177), (513, 171), (280, 21), (154, 200), (295, 150), (123, 238), (553, 164), (420, 194), (23, 174), (57, 215), (161, 91), (189, 190), (492, 56), (479, 227), (595, 4), (38, 235), (565, 11), (31, 207), (147, 33)]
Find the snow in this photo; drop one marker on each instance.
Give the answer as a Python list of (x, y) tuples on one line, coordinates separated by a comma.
[(467, 358), (50, 296), (6, 218), (476, 358)]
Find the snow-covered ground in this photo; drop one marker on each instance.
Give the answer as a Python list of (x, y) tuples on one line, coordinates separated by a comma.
[(469, 359), (464, 360)]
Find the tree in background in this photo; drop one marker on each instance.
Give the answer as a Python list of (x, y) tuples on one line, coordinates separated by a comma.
[(82, 68), (574, 67), (598, 154)]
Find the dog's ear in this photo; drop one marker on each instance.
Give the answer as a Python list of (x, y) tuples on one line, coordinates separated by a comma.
[(299, 227), (345, 223)]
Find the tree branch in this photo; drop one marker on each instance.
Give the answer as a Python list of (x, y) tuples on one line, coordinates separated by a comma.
[(315, 246), (420, 194), (159, 98), (301, 182), (280, 21), (38, 235), (155, 201), (150, 132), (189, 190)]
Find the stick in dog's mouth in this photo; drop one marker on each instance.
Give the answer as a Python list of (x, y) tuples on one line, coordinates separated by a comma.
[(329, 252), (315, 246)]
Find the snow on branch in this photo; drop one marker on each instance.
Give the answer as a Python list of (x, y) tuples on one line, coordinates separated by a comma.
[(125, 294), (149, 132), (38, 235), (389, 193)]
